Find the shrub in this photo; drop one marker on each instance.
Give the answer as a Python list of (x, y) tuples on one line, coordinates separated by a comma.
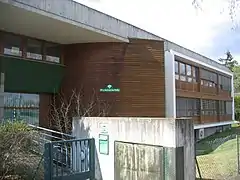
[(237, 107), (17, 159)]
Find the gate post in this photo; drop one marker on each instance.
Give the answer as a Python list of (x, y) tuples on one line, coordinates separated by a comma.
[(48, 161), (92, 159)]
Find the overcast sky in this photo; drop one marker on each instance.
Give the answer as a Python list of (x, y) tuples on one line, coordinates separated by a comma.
[(208, 32)]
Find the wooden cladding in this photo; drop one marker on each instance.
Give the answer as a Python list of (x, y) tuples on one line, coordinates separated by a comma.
[(136, 68)]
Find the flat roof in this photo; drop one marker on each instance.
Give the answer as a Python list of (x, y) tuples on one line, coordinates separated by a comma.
[(77, 14)]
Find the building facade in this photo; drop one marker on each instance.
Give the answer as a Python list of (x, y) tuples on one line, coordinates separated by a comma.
[(47, 49)]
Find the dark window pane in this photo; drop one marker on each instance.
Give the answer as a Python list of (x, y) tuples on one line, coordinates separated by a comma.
[(34, 49), (12, 45), (182, 69), (53, 52), (189, 70), (176, 67)]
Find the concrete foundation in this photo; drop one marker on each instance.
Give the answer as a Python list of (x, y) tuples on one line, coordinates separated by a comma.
[(152, 148)]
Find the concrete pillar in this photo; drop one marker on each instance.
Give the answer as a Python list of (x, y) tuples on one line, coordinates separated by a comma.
[(2, 78), (170, 89), (176, 136)]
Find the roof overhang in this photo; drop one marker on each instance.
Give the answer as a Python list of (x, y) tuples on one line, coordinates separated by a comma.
[(20, 18)]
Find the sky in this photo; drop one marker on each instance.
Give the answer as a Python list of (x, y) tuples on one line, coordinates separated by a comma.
[(208, 30)]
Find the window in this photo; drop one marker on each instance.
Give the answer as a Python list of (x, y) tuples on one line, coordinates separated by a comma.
[(187, 107), (176, 67), (189, 70), (34, 49), (182, 69), (208, 79), (185, 72), (228, 107), (222, 108), (52, 52), (176, 70), (18, 106), (208, 83), (12, 45), (225, 83), (225, 107), (209, 107)]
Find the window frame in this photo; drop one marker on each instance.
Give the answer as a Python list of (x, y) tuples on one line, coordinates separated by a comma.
[(192, 77)]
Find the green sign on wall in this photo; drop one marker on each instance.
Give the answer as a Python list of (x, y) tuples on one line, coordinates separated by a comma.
[(104, 144), (110, 88)]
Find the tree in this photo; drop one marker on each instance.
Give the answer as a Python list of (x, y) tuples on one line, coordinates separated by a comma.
[(64, 108), (236, 78), (229, 61), (233, 7)]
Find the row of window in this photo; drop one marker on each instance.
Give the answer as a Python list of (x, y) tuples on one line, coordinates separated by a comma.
[(208, 83), (185, 72), (18, 106), (36, 50), (191, 107), (189, 73)]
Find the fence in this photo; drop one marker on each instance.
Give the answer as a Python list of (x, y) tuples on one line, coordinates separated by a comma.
[(71, 159), (217, 156)]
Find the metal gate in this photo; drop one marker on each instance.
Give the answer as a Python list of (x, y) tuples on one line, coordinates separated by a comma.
[(71, 159)]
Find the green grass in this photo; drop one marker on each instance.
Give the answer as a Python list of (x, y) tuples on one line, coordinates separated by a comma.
[(220, 163), (205, 146)]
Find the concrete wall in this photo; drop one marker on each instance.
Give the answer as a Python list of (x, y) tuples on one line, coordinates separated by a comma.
[(138, 161), (170, 133)]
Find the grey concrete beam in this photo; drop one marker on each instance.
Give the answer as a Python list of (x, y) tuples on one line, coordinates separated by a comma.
[(77, 13)]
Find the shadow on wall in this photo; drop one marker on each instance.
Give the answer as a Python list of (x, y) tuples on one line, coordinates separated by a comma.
[(84, 132)]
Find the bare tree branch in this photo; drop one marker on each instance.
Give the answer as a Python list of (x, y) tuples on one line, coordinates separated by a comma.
[(63, 109)]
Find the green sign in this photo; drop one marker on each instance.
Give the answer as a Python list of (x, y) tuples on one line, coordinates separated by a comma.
[(104, 144), (110, 88)]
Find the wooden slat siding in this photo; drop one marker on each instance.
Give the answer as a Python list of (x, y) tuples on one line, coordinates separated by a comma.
[(225, 118), (209, 90), (182, 93), (209, 119), (102, 67), (44, 108), (143, 79), (136, 68)]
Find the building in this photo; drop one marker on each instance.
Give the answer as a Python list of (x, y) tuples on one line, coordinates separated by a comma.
[(48, 46)]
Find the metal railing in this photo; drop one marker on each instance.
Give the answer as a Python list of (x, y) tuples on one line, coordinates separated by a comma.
[(70, 158), (45, 135)]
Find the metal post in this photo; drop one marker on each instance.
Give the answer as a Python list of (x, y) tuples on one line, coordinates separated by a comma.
[(48, 161), (199, 172), (238, 154), (92, 158)]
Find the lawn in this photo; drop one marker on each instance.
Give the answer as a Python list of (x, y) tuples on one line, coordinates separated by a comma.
[(220, 161)]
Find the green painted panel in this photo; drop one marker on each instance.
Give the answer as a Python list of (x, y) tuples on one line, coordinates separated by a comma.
[(31, 77)]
